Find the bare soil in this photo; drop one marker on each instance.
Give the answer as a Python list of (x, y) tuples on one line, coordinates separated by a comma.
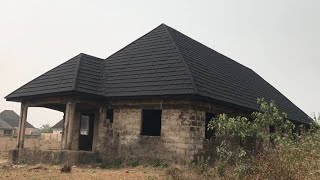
[(15, 172)]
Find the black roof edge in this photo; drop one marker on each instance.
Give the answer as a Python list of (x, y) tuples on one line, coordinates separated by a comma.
[(70, 94), (74, 94)]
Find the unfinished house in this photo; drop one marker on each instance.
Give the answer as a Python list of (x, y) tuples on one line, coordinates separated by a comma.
[(151, 99)]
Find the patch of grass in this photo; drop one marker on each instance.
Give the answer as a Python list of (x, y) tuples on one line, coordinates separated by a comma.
[(159, 163), (112, 164), (134, 163)]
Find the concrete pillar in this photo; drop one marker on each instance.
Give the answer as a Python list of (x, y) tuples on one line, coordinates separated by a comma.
[(22, 128), (63, 132), (99, 135), (68, 124), (76, 131), (100, 114), (71, 118), (65, 127)]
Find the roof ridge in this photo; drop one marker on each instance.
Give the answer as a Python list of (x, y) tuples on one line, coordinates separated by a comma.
[(133, 41), (88, 55), (182, 59), (77, 71), (82, 57)]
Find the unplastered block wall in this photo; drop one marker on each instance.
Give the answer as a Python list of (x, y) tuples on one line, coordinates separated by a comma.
[(182, 133)]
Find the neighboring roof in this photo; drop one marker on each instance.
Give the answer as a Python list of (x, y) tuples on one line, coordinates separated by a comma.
[(11, 118), (59, 125), (5, 126), (162, 62)]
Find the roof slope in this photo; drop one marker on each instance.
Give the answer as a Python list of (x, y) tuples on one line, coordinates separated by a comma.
[(150, 65), (12, 118), (162, 62), (58, 125), (222, 78), (81, 73), (5, 126)]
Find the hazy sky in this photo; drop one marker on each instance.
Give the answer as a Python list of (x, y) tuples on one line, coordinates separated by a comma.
[(278, 39)]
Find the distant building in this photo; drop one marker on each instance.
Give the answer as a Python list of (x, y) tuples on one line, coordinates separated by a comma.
[(57, 128), (6, 129), (12, 119)]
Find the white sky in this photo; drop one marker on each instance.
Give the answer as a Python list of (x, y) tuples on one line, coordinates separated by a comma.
[(278, 39)]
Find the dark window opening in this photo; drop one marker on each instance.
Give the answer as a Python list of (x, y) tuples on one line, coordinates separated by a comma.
[(151, 122), (209, 134), (84, 125), (109, 116)]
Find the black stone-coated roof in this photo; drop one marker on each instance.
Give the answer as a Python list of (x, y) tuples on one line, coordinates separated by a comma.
[(163, 62), (81, 73)]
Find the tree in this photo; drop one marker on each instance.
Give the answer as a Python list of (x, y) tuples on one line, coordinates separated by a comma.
[(46, 128)]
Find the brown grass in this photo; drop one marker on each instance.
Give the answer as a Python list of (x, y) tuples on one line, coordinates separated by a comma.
[(84, 172), (53, 172)]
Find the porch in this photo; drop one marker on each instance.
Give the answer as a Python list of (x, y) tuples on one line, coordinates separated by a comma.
[(80, 131)]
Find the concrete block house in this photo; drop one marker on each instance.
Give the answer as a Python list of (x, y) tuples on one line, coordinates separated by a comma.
[(151, 99)]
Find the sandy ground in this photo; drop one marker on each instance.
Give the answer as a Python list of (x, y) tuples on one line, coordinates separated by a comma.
[(15, 172)]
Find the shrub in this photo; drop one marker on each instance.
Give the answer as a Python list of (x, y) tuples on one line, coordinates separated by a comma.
[(233, 130), (66, 168)]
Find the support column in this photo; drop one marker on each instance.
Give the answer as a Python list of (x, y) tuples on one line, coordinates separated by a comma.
[(22, 128), (71, 117), (63, 131), (65, 127), (101, 130), (68, 124)]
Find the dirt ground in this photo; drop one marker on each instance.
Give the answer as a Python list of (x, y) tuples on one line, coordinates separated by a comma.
[(15, 172)]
